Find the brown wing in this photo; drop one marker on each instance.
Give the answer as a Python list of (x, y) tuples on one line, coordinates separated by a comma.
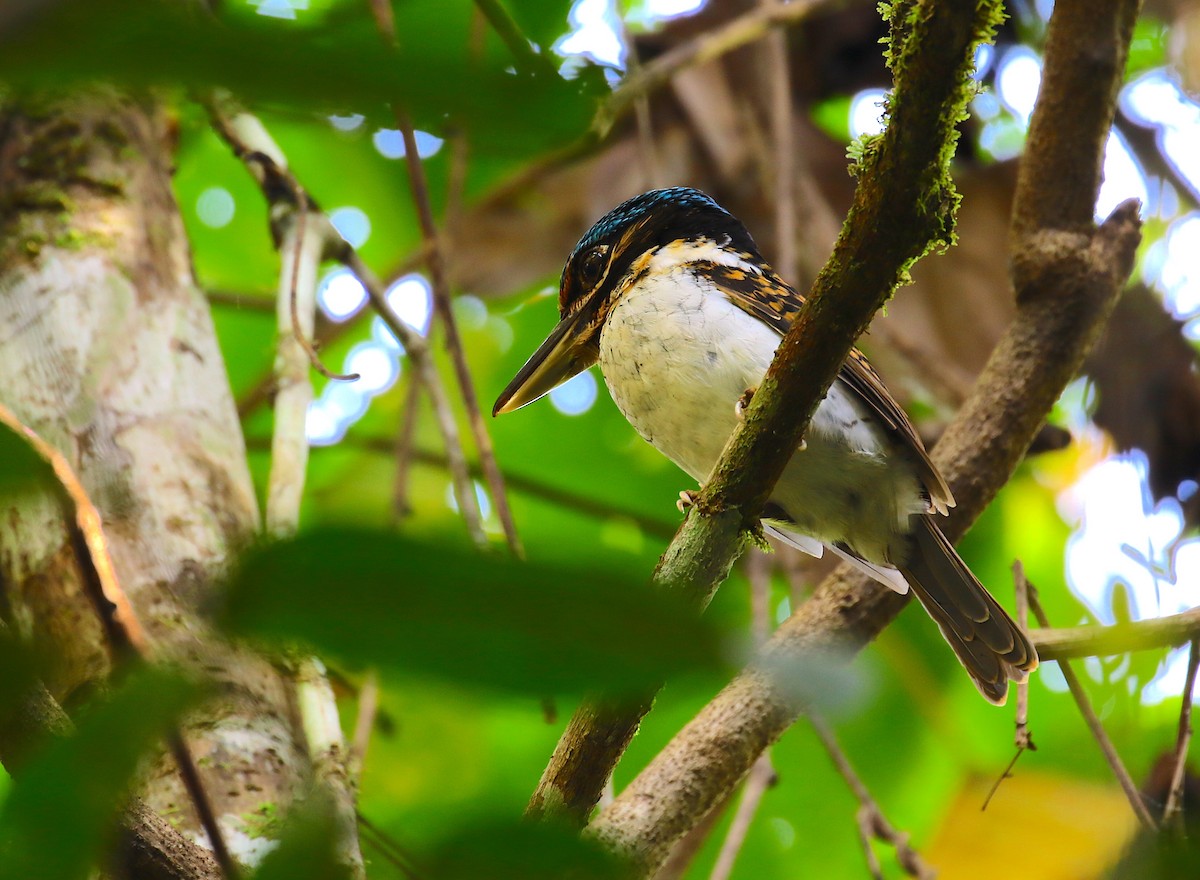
[(769, 299)]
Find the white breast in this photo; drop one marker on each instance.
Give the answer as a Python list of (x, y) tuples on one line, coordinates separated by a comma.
[(677, 354)]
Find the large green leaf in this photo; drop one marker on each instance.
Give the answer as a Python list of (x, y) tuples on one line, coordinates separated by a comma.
[(381, 599), (335, 64), (61, 813), (516, 850), (542, 21)]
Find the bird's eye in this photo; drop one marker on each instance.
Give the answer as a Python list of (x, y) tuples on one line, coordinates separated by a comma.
[(592, 266)]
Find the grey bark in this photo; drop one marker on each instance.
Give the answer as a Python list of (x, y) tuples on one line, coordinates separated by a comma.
[(107, 349)]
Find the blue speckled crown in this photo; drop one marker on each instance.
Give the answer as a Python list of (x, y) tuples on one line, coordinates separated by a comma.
[(661, 216), (675, 200)]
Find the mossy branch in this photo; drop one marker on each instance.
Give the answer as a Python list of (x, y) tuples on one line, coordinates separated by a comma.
[(903, 207), (1065, 292)]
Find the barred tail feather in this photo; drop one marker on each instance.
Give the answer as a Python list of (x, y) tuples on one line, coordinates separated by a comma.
[(987, 641)]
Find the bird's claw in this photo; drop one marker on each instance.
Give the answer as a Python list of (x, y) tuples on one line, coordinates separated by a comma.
[(739, 408), (687, 499)]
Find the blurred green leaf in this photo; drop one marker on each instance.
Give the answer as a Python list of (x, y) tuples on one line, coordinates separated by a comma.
[(339, 67), (1148, 49), (832, 116), (306, 849), (519, 850), (21, 469), (61, 813), (381, 599), (542, 21), (16, 674)]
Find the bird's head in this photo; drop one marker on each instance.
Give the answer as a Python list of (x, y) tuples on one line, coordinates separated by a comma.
[(680, 223)]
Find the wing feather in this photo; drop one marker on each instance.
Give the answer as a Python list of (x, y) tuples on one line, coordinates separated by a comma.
[(767, 297)]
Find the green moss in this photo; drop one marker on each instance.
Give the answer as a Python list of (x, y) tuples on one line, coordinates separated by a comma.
[(70, 239), (33, 243), (862, 152), (262, 821)]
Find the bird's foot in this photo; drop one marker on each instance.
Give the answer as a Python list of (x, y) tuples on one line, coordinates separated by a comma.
[(759, 538), (687, 500), (739, 408)]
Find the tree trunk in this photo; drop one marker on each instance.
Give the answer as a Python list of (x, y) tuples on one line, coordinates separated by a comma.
[(107, 349)]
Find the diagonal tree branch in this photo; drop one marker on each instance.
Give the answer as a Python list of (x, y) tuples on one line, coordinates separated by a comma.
[(1061, 309), (903, 206)]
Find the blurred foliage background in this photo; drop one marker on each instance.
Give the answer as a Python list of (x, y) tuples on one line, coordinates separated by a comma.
[(1102, 515)]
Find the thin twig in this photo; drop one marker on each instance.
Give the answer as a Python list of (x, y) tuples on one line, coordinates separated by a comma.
[(251, 143), (385, 20), (864, 824), (1144, 144), (464, 489), (327, 332), (651, 167), (121, 624), (1173, 811), (708, 46), (783, 134), (207, 816), (390, 848), (688, 847), (762, 774), (1022, 739), (250, 302), (298, 331), (529, 485), (445, 310), (870, 818), (435, 262), (1096, 728), (364, 723), (404, 450), (301, 245), (509, 31), (326, 745), (302, 242)]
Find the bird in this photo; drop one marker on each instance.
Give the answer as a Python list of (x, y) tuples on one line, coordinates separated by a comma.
[(670, 295)]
